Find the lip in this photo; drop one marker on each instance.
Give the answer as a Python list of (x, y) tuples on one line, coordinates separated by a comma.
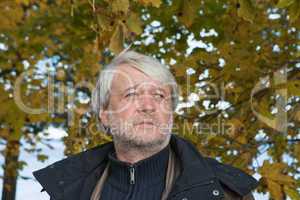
[(145, 123)]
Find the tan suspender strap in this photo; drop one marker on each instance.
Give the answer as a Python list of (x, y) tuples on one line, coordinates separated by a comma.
[(172, 173), (97, 191)]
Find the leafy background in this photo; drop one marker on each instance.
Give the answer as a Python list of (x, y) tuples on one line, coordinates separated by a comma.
[(52, 50)]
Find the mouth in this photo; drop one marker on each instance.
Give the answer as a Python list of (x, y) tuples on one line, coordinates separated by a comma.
[(145, 123)]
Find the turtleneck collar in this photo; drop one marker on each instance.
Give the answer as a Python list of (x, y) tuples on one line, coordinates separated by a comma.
[(144, 172)]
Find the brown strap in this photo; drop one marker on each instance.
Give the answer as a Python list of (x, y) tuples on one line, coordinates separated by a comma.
[(172, 173), (97, 191)]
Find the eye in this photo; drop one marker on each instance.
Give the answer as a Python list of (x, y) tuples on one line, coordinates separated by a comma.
[(130, 94), (159, 96)]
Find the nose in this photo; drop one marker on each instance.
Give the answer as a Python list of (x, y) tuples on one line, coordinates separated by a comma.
[(146, 103)]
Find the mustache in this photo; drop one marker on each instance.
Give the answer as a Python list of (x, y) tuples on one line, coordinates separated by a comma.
[(143, 119), (144, 122)]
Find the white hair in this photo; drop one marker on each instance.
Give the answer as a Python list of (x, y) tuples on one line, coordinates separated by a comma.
[(148, 65)]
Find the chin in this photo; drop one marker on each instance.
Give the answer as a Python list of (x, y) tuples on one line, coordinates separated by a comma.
[(151, 139), (143, 138)]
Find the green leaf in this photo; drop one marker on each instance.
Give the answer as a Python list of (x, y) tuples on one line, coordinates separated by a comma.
[(246, 10)]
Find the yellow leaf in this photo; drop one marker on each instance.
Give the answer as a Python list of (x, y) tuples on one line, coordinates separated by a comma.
[(294, 11), (134, 23), (104, 22), (180, 71), (297, 150), (275, 190), (297, 54), (120, 6), (275, 172), (242, 139), (188, 13), (246, 10), (284, 3), (155, 3), (292, 193), (117, 39), (293, 88), (236, 125), (60, 75), (25, 2)]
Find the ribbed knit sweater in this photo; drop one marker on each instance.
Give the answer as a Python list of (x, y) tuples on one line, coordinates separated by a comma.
[(144, 180)]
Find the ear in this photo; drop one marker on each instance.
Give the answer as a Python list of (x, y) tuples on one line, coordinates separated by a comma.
[(103, 116)]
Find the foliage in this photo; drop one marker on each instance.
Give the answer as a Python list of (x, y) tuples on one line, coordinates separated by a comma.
[(247, 51)]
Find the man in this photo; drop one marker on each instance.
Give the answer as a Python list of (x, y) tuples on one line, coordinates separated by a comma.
[(134, 100)]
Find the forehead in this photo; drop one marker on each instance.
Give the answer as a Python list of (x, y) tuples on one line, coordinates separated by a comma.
[(126, 77)]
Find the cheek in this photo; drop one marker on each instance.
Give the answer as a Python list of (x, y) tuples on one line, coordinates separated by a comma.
[(125, 112), (165, 118), (165, 107), (165, 110), (120, 107)]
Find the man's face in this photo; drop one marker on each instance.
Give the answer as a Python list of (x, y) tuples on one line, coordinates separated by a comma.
[(140, 109)]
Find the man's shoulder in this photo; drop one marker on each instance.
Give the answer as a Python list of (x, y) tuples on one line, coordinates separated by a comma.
[(201, 168), (85, 159), (61, 174), (233, 178)]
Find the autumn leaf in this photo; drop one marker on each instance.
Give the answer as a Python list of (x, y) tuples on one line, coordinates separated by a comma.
[(284, 3), (134, 23), (297, 150), (104, 22), (188, 12), (276, 177), (293, 8), (42, 157), (292, 192), (155, 3), (25, 2), (275, 172), (246, 10), (294, 11), (120, 6), (275, 190), (117, 39), (32, 31), (293, 88)]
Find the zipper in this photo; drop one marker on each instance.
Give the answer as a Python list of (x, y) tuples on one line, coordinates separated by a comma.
[(132, 175)]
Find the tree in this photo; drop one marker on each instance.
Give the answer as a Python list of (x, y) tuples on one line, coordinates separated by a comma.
[(238, 60)]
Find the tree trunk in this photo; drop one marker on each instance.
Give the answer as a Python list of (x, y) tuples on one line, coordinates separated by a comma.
[(10, 168)]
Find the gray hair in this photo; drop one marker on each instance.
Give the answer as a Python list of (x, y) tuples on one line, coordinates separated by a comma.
[(148, 65)]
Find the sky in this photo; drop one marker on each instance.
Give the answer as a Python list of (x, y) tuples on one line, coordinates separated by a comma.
[(30, 189)]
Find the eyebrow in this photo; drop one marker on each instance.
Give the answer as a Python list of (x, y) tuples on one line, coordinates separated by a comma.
[(136, 85), (132, 87)]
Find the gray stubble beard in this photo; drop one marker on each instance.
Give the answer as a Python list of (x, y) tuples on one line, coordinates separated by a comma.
[(130, 141)]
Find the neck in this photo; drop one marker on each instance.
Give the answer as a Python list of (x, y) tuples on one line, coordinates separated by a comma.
[(132, 154)]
